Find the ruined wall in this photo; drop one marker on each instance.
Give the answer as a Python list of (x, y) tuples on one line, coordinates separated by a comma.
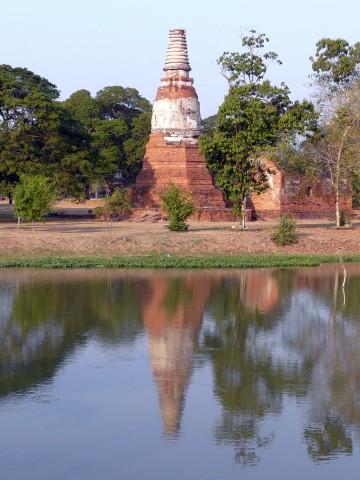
[(268, 203), (304, 198), (297, 195)]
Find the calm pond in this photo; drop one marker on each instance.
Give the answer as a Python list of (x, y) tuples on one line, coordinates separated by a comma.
[(113, 374)]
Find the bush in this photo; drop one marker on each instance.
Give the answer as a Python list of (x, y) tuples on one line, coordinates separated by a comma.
[(178, 207), (285, 233), (33, 196), (115, 206)]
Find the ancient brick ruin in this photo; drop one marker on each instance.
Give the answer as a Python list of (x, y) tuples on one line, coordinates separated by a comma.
[(172, 154), (297, 195)]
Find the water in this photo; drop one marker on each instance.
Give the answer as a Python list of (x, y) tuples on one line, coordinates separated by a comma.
[(212, 374)]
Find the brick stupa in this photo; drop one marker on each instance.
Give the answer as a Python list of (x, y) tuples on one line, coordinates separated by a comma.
[(172, 152)]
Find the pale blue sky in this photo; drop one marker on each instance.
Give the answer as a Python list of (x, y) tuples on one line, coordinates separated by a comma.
[(92, 44)]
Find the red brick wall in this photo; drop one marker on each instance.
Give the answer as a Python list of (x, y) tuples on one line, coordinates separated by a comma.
[(183, 165), (297, 195)]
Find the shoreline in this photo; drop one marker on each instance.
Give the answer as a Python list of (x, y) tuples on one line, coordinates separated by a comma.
[(175, 262)]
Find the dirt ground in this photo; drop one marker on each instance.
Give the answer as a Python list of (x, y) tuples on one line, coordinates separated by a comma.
[(82, 236)]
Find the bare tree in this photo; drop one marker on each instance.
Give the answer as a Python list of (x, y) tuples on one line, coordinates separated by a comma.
[(337, 152)]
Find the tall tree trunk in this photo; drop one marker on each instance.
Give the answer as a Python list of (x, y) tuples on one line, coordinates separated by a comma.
[(243, 214), (337, 204), (337, 174)]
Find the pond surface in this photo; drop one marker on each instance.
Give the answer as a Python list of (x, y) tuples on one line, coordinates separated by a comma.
[(250, 374)]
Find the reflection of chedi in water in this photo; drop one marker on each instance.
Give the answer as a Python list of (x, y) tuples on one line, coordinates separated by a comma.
[(259, 290), (173, 309), (172, 316)]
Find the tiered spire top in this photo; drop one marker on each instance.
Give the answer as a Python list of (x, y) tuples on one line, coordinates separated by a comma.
[(177, 54)]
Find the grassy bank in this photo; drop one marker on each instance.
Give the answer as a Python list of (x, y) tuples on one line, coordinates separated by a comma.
[(164, 261)]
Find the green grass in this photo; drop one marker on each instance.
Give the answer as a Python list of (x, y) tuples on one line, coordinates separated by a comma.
[(162, 261)]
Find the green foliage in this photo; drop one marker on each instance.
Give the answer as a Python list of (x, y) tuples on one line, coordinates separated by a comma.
[(33, 196), (118, 123), (208, 125), (228, 262), (38, 136), (116, 205), (254, 115), (121, 103), (336, 62), (285, 232), (250, 66), (134, 146), (178, 207), (291, 157)]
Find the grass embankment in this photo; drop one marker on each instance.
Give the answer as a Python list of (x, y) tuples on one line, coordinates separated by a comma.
[(165, 262)]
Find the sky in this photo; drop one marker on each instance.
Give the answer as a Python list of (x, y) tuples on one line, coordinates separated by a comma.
[(92, 44)]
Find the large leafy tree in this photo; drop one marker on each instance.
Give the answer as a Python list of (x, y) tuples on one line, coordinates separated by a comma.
[(118, 122), (336, 76), (254, 115), (37, 136)]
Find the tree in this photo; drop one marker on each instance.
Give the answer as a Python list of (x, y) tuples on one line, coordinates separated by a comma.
[(208, 125), (33, 196), (118, 123), (121, 103), (134, 147), (254, 115), (37, 136), (178, 207), (26, 114), (127, 108), (336, 77)]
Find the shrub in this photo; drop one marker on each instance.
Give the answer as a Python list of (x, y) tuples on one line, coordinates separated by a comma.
[(33, 196), (115, 206), (177, 206), (285, 233)]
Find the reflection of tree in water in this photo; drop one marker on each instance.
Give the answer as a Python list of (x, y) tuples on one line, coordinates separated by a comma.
[(247, 383), (312, 334), (327, 437), (300, 348), (48, 319), (177, 294)]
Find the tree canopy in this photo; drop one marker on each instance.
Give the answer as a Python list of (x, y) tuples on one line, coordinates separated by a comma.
[(118, 122), (73, 143), (251, 120), (37, 136)]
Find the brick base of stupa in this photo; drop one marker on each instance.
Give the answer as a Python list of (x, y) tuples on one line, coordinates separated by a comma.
[(184, 166)]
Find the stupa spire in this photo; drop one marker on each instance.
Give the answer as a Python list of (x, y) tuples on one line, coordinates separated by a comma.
[(177, 54), (176, 109), (172, 152)]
